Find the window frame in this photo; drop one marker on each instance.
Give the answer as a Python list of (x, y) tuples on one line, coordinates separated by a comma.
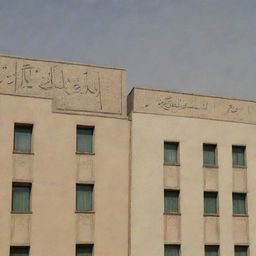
[(93, 204), (177, 143), (245, 204), (212, 245), (176, 245), (86, 127), (242, 245), (215, 165), (244, 154), (22, 184), (172, 213), (23, 125), (217, 203), (21, 247), (84, 246)]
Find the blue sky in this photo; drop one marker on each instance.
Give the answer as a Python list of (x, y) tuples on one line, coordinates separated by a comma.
[(199, 46)]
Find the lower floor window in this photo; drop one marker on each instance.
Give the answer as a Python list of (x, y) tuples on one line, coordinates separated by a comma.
[(84, 249), (241, 250), (19, 251), (171, 250), (211, 250)]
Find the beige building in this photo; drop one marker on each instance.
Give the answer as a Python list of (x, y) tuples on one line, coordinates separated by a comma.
[(86, 170)]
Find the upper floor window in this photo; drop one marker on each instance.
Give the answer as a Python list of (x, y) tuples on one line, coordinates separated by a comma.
[(19, 251), (239, 203), (209, 154), (84, 250), (171, 250), (22, 138), (21, 197), (171, 201), (171, 152), (241, 250), (84, 139), (238, 156), (211, 250), (84, 197), (210, 202)]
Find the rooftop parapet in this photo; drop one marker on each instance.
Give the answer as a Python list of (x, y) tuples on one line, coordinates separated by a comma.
[(73, 87), (159, 102)]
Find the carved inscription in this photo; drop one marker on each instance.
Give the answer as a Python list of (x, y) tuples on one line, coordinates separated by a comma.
[(74, 87), (180, 104)]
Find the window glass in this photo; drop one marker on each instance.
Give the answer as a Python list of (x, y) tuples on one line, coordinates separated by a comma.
[(171, 152), (20, 198), (211, 250), (171, 250), (210, 202), (241, 250), (238, 155), (84, 139), (84, 250), (84, 197), (171, 201), (209, 154), (19, 251), (239, 203), (22, 138)]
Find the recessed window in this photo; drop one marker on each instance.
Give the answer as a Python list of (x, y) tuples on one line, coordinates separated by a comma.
[(211, 250), (22, 138), (209, 154), (19, 251), (171, 250), (21, 197), (84, 197), (241, 250), (171, 153), (238, 156), (84, 250), (239, 203), (171, 201), (84, 139), (210, 203)]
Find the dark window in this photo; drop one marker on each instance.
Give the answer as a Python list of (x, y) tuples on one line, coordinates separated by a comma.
[(171, 152), (19, 251), (209, 151), (210, 203), (239, 203), (22, 138), (84, 250), (238, 155), (21, 197), (171, 201), (84, 139), (84, 197)]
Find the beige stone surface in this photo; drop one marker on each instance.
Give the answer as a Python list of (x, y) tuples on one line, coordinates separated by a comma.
[(85, 168), (20, 229), (239, 180), (211, 179), (23, 167), (192, 105), (85, 228), (172, 229), (73, 87), (240, 230), (211, 230), (172, 177)]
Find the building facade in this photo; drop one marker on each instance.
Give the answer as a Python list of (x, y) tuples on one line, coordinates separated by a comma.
[(87, 170)]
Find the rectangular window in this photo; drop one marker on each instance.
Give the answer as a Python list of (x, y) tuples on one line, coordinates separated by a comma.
[(22, 138), (238, 155), (84, 197), (19, 251), (84, 250), (84, 139), (171, 201), (21, 197), (210, 203), (171, 153), (171, 250), (239, 203), (209, 154), (241, 250), (211, 250)]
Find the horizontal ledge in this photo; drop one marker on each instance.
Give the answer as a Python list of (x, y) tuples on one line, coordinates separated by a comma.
[(240, 215), (172, 213), (85, 212), (84, 153), (29, 212), (211, 215), (211, 166), (169, 164), (23, 153), (239, 167)]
